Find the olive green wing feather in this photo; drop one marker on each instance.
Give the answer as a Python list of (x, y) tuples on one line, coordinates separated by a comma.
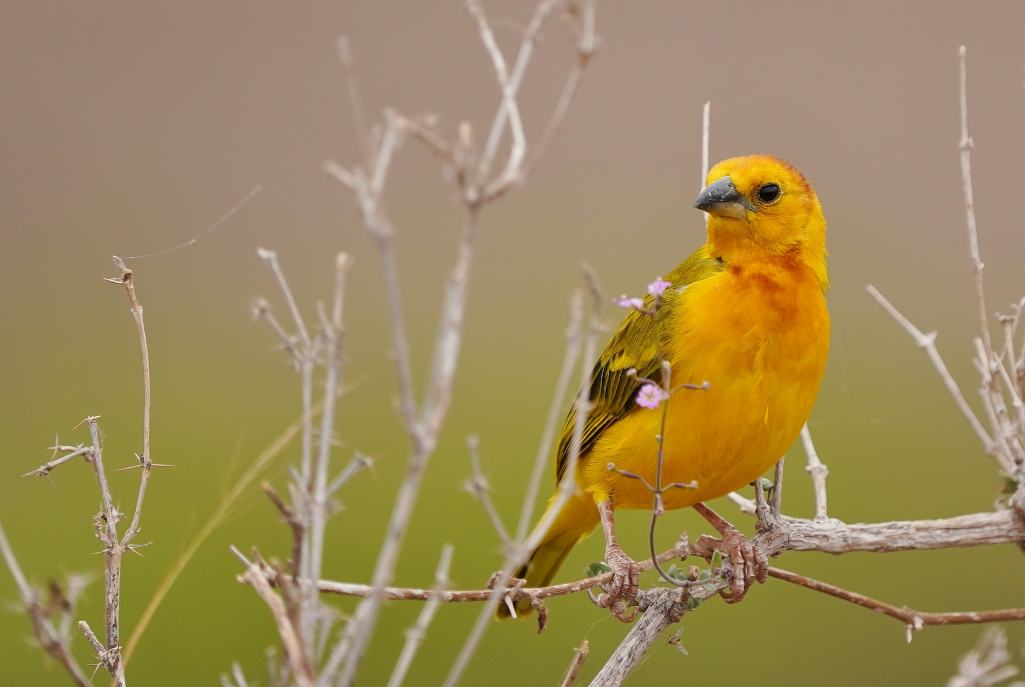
[(635, 345)]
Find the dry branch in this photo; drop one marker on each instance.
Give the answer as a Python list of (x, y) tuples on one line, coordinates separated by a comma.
[(578, 662), (915, 620), (415, 635), (57, 642), (54, 642)]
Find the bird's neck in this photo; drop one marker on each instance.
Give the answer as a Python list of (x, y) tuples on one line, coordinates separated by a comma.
[(742, 252)]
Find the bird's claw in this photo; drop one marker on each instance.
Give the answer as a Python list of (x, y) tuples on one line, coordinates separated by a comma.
[(626, 575), (748, 562), (626, 578)]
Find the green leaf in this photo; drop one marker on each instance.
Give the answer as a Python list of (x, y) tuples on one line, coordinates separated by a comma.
[(596, 568), (676, 572), (704, 575), (717, 559), (692, 603)]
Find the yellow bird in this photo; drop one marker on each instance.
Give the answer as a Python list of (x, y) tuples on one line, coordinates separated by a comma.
[(746, 313)]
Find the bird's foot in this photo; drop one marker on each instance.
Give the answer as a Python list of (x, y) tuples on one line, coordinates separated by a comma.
[(748, 562), (622, 590)]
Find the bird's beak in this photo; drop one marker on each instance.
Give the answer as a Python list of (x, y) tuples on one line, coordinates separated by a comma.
[(720, 198)]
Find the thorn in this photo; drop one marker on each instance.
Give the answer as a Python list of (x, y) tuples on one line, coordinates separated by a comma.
[(511, 606), (90, 419)]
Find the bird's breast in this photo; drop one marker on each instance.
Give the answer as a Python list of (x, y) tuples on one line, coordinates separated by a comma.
[(759, 337)]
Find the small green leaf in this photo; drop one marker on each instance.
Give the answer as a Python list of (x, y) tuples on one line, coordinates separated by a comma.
[(704, 575), (717, 559), (708, 587), (596, 568), (692, 603), (676, 572)]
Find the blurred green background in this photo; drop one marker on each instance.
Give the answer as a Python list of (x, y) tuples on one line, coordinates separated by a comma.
[(126, 128)]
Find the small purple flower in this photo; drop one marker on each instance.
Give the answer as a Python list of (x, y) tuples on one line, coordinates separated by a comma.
[(656, 287), (629, 302), (650, 396)]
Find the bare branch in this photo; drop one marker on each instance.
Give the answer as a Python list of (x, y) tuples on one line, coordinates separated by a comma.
[(289, 634), (358, 462), (146, 459), (90, 637), (987, 664), (478, 486), (425, 431), (834, 536), (705, 124), (573, 344), (74, 451), (541, 13), (927, 342), (519, 143), (746, 506), (578, 662), (294, 522), (261, 310), (415, 635), (587, 45), (818, 474), (306, 359), (777, 488), (473, 595), (344, 176), (566, 489), (426, 134), (915, 620), (359, 120), (966, 144), (50, 639), (661, 608), (333, 333), (270, 258)]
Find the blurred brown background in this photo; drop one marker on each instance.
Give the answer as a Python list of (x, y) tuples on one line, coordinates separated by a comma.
[(126, 128)]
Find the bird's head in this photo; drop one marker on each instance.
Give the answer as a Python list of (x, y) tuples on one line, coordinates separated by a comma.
[(762, 206)]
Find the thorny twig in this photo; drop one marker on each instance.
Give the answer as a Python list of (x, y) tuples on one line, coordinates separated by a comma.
[(106, 523)]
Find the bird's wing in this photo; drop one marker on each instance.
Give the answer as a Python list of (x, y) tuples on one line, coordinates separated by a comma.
[(633, 346)]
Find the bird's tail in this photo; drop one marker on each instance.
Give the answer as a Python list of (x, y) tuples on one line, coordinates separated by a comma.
[(575, 520)]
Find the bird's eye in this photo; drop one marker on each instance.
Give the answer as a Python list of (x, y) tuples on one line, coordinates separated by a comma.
[(768, 193)]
